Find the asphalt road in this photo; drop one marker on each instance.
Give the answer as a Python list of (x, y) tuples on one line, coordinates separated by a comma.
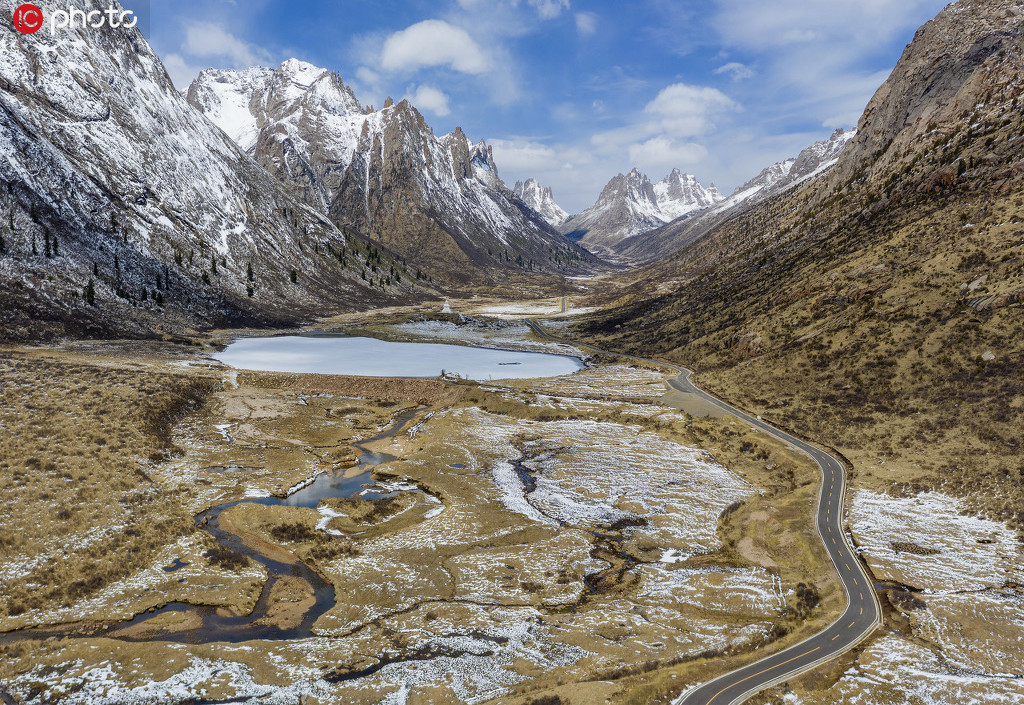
[(863, 613)]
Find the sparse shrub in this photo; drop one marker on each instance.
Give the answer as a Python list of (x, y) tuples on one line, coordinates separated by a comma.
[(225, 558), (546, 700)]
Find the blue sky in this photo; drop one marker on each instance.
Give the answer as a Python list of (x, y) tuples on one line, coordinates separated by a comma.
[(573, 92)]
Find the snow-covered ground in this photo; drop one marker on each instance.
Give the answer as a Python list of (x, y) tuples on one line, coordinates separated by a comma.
[(960, 553), (612, 381), (510, 335), (897, 671), (966, 642), (196, 581), (542, 307)]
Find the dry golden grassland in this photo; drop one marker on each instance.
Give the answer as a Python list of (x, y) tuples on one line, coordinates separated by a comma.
[(462, 582), (80, 440)]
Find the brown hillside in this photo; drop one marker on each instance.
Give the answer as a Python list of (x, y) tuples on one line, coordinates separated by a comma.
[(880, 308)]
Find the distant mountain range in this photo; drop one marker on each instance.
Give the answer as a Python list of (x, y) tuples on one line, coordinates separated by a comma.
[(778, 178), (631, 205)]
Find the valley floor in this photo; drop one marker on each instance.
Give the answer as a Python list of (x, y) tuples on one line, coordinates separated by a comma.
[(570, 537)]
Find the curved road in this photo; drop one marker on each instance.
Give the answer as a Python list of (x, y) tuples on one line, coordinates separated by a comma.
[(863, 612)]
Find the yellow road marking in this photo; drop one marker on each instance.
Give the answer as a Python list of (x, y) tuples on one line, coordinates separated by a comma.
[(862, 597), (847, 565), (862, 610), (833, 539), (835, 637), (851, 624), (760, 672)]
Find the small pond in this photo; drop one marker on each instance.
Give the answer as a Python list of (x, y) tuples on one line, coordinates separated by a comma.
[(369, 357)]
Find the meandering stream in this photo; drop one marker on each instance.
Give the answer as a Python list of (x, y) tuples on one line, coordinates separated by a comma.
[(216, 624)]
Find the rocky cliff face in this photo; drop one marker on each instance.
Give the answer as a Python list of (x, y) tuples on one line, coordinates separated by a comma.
[(438, 202), (630, 205), (124, 210), (541, 200), (953, 75), (300, 122)]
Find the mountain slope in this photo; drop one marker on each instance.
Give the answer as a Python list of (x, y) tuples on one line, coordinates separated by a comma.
[(878, 308), (630, 205), (110, 177), (541, 200), (439, 202), (810, 163)]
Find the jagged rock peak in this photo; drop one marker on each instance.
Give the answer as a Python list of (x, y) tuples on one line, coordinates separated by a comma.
[(541, 200), (630, 205), (243, 103)]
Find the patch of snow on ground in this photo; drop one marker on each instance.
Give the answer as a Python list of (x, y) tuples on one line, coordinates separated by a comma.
[(972, 553), (896, 671), (512, 336)]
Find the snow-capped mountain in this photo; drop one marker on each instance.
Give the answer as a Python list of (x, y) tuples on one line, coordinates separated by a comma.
[(300, 122), (124, 208), (630, 205), (772, 180), (383, 174), (680, 194), (782, 175), (540, 199)]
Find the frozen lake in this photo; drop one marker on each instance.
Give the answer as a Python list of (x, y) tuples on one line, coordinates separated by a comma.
[(369, 357)]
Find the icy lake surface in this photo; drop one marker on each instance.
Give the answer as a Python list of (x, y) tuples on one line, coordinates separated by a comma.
[(369, 357)]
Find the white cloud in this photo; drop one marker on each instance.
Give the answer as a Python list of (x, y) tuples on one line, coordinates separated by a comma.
[(520, 154), (368, 76), (181, 72), (548, 9), (209, 40), (434, 43), (682, 110), (586, 23), (736, 70), (662, 154), (565, 112), (798, 36), (430, 99), (844, 26), (575, 172)]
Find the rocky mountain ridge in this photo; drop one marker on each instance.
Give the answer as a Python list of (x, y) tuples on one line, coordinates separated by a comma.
[(630, 205), (810, 163), (541, 200), (382, 174)]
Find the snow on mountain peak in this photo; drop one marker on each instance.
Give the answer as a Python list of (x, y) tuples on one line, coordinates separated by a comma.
[(301, 72), (780, 176), (541, 200), (630, 205)]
